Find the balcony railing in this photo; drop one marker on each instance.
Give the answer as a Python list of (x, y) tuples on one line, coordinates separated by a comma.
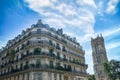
[(43, 54), (41, 67), (38, 53), (43, 32)]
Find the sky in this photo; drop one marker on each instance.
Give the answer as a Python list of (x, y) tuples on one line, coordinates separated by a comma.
[(82, 19)]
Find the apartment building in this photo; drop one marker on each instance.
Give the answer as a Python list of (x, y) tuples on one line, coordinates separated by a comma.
[(42, 53)]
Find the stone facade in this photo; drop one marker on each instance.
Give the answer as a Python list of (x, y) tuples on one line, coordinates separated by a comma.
[(42, 53), (99, 57)]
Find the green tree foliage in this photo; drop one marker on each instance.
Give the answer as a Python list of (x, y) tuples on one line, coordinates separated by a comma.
[(91, 77), (112, 70)]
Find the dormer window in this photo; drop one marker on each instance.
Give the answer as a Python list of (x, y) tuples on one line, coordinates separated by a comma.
[(38, 30)]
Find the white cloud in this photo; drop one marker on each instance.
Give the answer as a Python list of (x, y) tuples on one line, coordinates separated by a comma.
[(67, 15), (112, 45), (86, 2), (110, 32), (100, 8), (111, 6), (40, 2)]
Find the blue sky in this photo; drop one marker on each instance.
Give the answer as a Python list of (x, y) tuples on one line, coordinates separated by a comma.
[(82, 19)]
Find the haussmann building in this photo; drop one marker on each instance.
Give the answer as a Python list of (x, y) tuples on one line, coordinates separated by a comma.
[(42, 53)]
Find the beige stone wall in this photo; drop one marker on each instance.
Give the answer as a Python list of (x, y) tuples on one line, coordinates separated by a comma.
[(45, 76)]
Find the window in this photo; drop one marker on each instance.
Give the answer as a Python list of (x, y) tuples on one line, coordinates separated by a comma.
[(60, 77), (21, 66), (58, 65), (17, 58), (50, 42), (23, 77), (26, 66), (38, 30), (74, 68), (64, 57), (57, 46), (51, 64), (28, 76), (55, 76), (69, 58), (37, 76), (37, 50), (27, 52), (38, 63), (64, 49), (49, 76), (58, 55), (65, 66)]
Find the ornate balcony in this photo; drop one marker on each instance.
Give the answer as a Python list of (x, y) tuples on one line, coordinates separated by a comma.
[(42, 33), (50, 67)]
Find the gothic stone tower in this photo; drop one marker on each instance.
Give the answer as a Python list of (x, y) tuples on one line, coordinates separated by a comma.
[(99, 57)]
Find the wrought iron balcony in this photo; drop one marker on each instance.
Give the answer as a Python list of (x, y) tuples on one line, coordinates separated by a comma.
[(35, 66), (43, 33)]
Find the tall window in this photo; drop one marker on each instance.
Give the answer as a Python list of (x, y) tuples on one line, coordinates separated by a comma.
[(64, 57), (51, 64), (58, 55), (38, 63), (49, 76), (28, 76), (27, 52), (50, 42), (74, 68), (55, 76), (23, 77), (58, 65), (65, 66), (37, 76), (69, 58), (57, 46), (64, 49), (60, 77)]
